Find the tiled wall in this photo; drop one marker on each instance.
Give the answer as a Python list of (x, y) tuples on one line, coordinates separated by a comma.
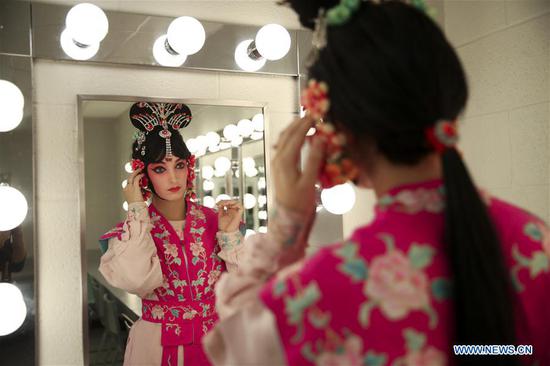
[(58, 228)]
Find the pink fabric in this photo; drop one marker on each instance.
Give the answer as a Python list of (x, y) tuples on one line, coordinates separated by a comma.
[(382, 297)]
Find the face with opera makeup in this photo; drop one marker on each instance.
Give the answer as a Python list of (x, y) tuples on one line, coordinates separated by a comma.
[(169, 178)]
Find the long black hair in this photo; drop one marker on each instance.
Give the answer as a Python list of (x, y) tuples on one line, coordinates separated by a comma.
[(392, 74)]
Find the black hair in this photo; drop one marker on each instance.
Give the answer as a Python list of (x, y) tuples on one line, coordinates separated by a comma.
[(391, 75), (155, 144)]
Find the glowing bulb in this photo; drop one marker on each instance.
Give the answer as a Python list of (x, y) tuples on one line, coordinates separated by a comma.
[(225, 145), (186, 35), (207, 172), (192, 145), (262, 215), (230, 132), (124, 183), (219, 173), (262, 200), (87, 24), (222, 164), (212, 138), (257, 135), (207, 185), (215, 148), (125, 206), (209, 201), (13, 310), (258, 122), (13, 207), (128, 167), (273, 41), (249, 163), (237, 141), (261, 183), (245, 127), (222, 197), (249, 201), (262, 229), (338, 199), (248, 233), (74, 51), (244, 61), (251, 172), (12, 103), (164, 57), (202, 142)]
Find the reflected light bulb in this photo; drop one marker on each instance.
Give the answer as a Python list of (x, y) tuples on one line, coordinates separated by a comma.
[(207, 172), (13, 310), (248, 233), (164, 57), (244, 61), (245, 127), (124, 183), (237, 141), (209, 201), (13, 207), (222, 164), (230, 131), (128, 167), (213, 138), (215, 148), (202, 142), (262, 215), (125, 206), (338, 199), (222, 197), (249, 201), (257, 135), (262, 200), (87, 24), (273, 41), (251, 172), (262, 229), (207, 185), (74, 51), (258, 122), (186, 35), (192, 145), (249, 163), (261, 183)]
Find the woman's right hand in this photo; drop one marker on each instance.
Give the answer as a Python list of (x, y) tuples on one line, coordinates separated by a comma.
[(132, 191)]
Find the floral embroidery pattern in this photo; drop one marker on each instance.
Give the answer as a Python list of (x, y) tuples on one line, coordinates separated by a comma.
[(414, 201), (538, 261), (418, 353)]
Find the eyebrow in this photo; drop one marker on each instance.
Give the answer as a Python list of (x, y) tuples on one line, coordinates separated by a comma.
[(163, 163)]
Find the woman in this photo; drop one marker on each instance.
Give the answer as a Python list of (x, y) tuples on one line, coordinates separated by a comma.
[(172, 253), (440, 265)]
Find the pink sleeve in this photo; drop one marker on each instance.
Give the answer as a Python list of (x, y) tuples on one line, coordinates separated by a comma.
[(231, 249), (131, 261), (247, 332)]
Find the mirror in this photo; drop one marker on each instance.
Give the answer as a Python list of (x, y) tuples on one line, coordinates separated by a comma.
[(221, 157)]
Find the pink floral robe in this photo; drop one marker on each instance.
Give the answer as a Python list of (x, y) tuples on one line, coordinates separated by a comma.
[(174, 270), (379, 298)]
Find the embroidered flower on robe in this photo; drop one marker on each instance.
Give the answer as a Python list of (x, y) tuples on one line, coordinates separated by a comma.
[(414, 201), (350, 354), (213, 277), (171, 249), (427, 357), (396, 285), (539, 232), (157, 312), (197, 249)]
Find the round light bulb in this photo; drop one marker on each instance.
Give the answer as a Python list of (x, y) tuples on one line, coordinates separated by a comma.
[(214, 148), (236, 141), (261, 183), (219, 173), (262, 229), (186, 35), (262, 200), (209, 201), (245, 127), (273, 41), (222, 197), (225, 145), (230, 131), (192, 145), (207, 185), (13, 310), (165, 58), (13, 207), (125, 206), (249, 201), (207, 172), (248, 233), (128, 167), (258, 122), (257, 135), (74, 51), (87, 24), (222, 164), (11, 96), (11, 118), (202, 141), (124, 183), (262, 215), (213, 138), (338, 199), (249, 163), (251, 172), (244, 61)]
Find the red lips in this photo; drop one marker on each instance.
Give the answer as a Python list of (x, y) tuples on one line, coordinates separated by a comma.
[(174, 189)]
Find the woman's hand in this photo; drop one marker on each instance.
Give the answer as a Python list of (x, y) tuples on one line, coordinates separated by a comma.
[(132, 191), (295, 189), (229, 215)]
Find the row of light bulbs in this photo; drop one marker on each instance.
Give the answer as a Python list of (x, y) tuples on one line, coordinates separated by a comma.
[(233, 136), (86, 25)]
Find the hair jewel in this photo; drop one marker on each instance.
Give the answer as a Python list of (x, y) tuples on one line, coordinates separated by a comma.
[(443, 135), (315, 99), (143, 182), (190, 193)]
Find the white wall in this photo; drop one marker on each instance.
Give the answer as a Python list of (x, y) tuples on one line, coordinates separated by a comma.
[(58, 227), (505, 49)]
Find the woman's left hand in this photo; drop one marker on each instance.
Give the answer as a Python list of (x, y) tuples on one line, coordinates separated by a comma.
[(229, 215)]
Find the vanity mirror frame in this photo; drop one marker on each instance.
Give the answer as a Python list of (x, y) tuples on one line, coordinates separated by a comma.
[(81, 99)]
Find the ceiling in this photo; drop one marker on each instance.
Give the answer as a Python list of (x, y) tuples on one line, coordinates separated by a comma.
[(251, 12)]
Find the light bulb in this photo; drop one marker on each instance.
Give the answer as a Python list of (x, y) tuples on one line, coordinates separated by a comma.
[(222, 197), (273, 41), (257, 135), (128, 167), (11, 96), (230, 131), (244, 61), (219, 173), (71, 49), (214, 148), (338, 199), (164, 57), (262, 200), (236, 141), (186, 35), (225, 145), (262, 229), (13, 310), (213, 138), (311, 131), (13, 207), (207, 185), (222, 164), (11, 118), (245, 127), (87, 24), (262, 215), (125, 206), (249, 163), (251, 172), (248, 233), (249, 201), (207, 172), (124, 183), (209, 201), (192, 145), (261, 183), (202, 141), (258, 122)]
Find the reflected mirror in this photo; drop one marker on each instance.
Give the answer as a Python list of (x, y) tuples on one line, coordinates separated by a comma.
[(228, 142)]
